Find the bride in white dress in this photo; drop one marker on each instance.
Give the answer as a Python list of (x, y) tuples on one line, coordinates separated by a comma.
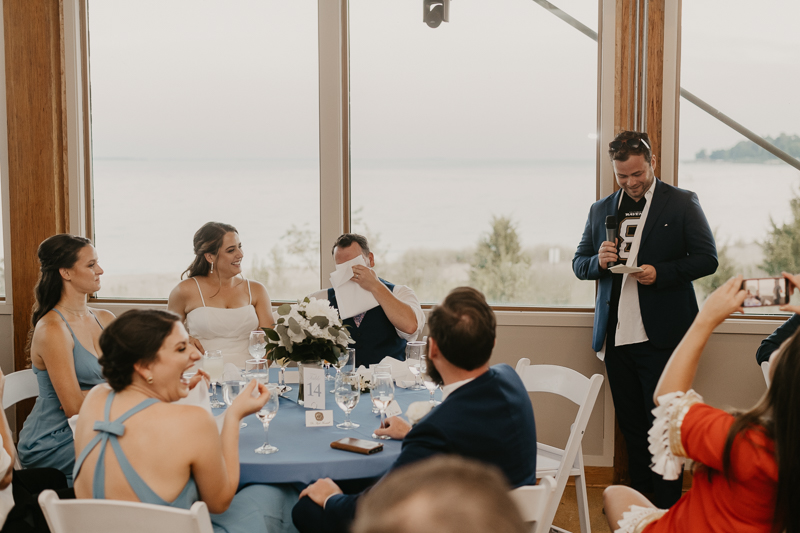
[(219, 306)]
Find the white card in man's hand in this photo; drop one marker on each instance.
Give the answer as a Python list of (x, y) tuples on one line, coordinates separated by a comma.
[(625, 269)]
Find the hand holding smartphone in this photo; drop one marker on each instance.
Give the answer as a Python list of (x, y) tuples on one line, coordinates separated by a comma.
[(764, 292)]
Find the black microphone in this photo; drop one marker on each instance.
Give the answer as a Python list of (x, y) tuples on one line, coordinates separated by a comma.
[(611, 233)]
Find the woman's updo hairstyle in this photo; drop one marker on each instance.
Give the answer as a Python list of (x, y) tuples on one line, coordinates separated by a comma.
[(56, 252), (207, 240), (134, 337)]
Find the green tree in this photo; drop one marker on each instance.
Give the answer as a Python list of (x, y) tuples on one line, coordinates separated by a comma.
[(726, 270), (499, 268), (782, 245)]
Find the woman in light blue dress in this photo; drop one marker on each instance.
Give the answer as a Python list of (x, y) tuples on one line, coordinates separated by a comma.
[(135, 444), (63, 349)]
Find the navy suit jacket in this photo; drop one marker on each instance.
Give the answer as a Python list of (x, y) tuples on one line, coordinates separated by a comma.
[(676, 241), (774, 341), (489, 419)]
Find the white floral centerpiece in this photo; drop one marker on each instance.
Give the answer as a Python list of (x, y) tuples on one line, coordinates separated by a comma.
[(310, 330)]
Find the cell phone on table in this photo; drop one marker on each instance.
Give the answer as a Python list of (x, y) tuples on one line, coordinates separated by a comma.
[(763, 292), (349, 444)]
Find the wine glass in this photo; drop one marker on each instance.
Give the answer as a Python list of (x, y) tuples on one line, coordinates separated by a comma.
[(382, 394), (258, 344), (383, 368), (266, 414), (328, 376), (426, 378), (415, 350), (230, 390), (212, 363), (347, 392), (342, 360), (257, 369), (283, 362)]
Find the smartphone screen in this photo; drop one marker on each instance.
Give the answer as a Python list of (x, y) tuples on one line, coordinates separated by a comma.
[(762, 292)]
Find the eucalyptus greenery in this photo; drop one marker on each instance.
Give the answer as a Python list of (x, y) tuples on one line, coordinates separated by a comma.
[(310, 330)]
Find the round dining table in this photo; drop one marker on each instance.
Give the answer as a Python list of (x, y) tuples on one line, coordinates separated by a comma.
[(304, 453)]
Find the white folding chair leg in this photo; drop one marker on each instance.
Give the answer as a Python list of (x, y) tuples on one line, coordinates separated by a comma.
[(582, 499)]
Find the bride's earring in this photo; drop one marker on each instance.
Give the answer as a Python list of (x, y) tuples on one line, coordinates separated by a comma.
[(212, 269)]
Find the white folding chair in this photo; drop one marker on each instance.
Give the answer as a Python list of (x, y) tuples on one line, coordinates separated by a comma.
[(765, 370), (533, 502), (102, 516), (19, 386), (566, 463)]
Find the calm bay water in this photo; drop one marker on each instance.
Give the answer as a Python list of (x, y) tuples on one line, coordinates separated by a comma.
[(146, 211)]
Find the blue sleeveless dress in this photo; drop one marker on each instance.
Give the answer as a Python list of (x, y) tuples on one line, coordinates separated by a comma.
[(254, 509), (46, 438)]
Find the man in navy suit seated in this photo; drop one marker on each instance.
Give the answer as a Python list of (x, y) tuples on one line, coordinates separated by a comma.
[(485, 414), (382, 331)]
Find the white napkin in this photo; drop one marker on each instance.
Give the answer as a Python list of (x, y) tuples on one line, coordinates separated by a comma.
[(6, 497), (352, 300), (199, 396), (231, 372), (403, 377)]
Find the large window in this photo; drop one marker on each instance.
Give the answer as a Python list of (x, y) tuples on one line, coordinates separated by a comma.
[(473, 146), (204, 111), (744, 64)]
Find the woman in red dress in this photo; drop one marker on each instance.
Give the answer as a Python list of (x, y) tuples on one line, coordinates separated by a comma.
[(749, 463)]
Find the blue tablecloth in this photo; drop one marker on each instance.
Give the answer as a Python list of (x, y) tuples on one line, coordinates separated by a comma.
[(305, 454)]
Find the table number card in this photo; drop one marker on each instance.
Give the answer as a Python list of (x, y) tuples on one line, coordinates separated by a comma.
[(393, 409), (314, 388), (318, 419)]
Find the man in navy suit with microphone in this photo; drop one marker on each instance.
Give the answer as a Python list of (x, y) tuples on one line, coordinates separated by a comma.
[(640, 317)]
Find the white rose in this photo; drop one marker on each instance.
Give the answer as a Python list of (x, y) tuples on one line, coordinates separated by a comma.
[(417, 410)]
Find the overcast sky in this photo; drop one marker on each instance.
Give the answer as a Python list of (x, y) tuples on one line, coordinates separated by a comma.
[(503, 79)]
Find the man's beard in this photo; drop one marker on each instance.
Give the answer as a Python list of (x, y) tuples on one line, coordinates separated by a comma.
[(434, 374)]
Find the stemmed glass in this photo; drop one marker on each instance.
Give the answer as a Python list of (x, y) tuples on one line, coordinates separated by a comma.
[(426, 378), (212, 363), (230, 390), (257, 369), (382, 394), (258, 344), (414, 351), (342, 360), (328, 376), (284, 362), (266, 414), (347, 392)]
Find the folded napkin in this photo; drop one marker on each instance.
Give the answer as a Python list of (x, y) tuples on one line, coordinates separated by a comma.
[(198, 396), (231, 372), (403, 377), (351, 299), (6, 497)]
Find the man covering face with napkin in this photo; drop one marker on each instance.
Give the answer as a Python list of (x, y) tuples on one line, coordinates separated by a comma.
[(381, 316)]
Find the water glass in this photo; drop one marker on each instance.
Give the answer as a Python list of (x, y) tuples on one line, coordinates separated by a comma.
[(212, 363), (344, 358), (230, 390), (266, 414), (383, 368), (382, 393), (257, 369), (426, 378), (414, 351), (258, 344), (347, 392)]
